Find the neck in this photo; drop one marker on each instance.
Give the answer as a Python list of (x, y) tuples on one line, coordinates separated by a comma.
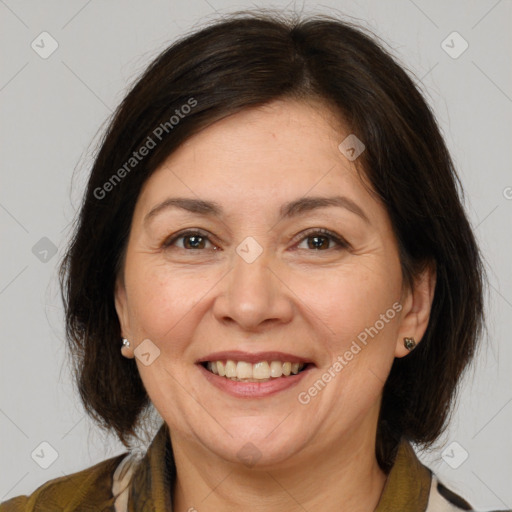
[(344, 479)]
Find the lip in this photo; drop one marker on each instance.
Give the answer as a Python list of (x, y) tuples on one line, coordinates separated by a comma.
[(241, 389), (253, 358)]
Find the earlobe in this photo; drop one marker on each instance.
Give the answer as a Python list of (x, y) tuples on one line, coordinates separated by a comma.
[(126, 349), (416, 312)]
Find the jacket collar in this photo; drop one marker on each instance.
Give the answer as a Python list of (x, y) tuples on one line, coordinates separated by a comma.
[(153, 481), (407, 486)]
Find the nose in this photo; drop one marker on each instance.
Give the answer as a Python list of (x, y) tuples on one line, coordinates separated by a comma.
[(253, 295)]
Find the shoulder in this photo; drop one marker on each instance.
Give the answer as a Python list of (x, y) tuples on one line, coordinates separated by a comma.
[(86, 490), (442, 499)]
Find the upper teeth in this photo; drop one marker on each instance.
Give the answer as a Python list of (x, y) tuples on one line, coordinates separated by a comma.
[(262, 370)]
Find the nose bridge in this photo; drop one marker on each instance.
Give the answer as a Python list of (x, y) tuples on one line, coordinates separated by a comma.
[(250, 285), (251, 295)]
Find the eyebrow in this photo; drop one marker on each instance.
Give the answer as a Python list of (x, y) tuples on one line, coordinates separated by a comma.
[(287, 210)]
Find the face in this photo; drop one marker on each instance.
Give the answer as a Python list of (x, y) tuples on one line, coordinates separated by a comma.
[(294, 261)]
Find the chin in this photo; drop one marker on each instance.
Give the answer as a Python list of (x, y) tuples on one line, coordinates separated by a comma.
[(263, 445)]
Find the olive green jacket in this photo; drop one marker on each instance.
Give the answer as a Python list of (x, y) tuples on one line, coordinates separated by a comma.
[(127, 483)]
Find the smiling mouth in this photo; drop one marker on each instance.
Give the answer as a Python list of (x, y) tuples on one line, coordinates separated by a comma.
[(263, 371)]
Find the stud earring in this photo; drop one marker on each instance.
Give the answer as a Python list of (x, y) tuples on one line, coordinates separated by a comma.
[(126, 343), (409, 343)]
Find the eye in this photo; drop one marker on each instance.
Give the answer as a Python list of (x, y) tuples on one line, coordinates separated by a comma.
[(320, 240), (191, 240), (196, 240)]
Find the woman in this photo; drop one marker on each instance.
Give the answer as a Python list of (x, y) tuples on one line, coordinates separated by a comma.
[(273, 253)]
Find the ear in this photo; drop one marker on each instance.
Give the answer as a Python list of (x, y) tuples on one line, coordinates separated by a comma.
[(121, 305), (417, 304)]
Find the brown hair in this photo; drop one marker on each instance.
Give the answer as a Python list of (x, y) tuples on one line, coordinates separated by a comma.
[(249, 59)]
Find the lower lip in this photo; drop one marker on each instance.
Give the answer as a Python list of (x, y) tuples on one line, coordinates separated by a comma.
[(241, 389)]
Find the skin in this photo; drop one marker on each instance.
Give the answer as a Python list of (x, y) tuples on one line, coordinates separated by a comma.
[(293, 298)]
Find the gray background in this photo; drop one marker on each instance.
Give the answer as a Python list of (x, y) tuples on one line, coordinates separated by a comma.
[(51, 110)]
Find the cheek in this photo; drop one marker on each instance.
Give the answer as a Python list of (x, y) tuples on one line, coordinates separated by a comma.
[(354, 297), (163, 300), (359, 310), (156, 300)]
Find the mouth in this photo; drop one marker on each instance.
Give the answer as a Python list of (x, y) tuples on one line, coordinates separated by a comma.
[(261, 371), (254, 375)]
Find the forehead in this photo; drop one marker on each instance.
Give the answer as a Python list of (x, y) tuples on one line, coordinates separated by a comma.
[(282, 150), (271, 132)]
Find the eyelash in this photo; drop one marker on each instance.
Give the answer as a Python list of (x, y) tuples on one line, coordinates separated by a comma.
[(342, 244)]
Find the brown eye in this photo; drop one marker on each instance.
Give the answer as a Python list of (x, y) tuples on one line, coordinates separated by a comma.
[(192, 240), (320, 239)]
